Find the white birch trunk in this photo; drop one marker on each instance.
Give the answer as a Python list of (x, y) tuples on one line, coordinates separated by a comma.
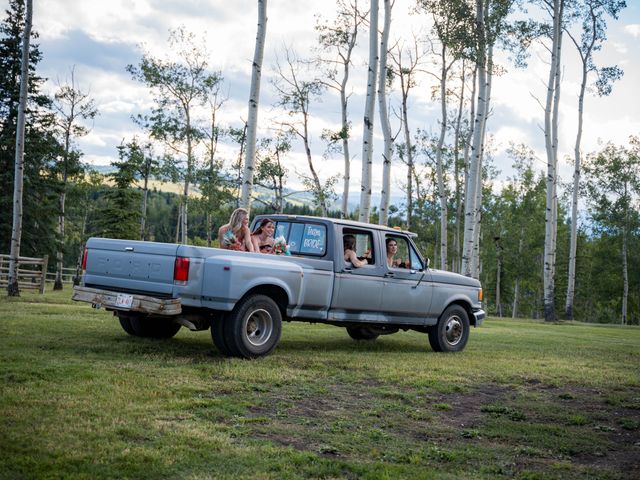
[(577, 157), (57, 284), (384, 118), (254, 100), (467, 156), (187, 180), (13, 289), (625, 275), (516, 289), (551, 122), (143, 216), (475, 259), (369, 111), (475, 169), (344, 211), (442, 197), (314, 175), (455, 263), (498, 299), (407, 142)]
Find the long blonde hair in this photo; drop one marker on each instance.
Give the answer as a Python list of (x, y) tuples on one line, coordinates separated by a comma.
[(235, 221)]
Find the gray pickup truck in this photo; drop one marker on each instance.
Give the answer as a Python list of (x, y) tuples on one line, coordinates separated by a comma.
[(157, 288)]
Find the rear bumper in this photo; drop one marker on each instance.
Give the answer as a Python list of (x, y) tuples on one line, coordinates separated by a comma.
[(99, 298), (479, 316)]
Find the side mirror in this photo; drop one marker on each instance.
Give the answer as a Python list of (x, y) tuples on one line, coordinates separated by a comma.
[(427, 262)]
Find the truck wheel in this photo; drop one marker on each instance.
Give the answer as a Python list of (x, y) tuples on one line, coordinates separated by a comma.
[(452, 330), (361, 333), (217, 334), (253, 328), (143, 326), (125, 323)]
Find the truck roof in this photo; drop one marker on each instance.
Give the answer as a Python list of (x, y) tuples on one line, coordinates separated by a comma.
[(339, 221)]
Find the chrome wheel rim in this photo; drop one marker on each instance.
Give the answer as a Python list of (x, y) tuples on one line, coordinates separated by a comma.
[(453, 330), (258, 327)]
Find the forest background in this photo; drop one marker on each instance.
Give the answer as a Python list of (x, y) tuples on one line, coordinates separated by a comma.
[(107, 147)]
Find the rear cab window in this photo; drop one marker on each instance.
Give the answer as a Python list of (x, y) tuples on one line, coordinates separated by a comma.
[(303, 238), (361, 241)]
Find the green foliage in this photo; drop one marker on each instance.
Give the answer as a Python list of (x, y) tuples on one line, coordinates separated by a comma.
[(41, 188)]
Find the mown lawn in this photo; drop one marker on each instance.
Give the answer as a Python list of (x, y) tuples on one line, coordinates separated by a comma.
[(81, 399)]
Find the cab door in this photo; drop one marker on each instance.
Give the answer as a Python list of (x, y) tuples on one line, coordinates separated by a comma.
[(357, 292), (408, 291)]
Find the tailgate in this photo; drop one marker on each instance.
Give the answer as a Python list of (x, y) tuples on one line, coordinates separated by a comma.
[(129, 265)]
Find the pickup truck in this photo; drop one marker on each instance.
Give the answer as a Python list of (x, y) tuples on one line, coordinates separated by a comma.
[(156, 288)]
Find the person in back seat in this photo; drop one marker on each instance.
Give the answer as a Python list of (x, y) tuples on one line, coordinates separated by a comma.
[(350, 252)]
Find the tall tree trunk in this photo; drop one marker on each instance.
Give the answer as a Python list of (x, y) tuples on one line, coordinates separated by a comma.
[(551, 127), (516, 297), (369, 111), (442, 196), (143, 216), (344, 211), (475, 259), (625, 271), (475, 167), (179, 221), (254, 100), (467, 156), (516, 290), (13, 289), (409, 148), (316, 180), (455, 264), (384, 118), (573, 243), (187, 182), (498, 275), (57, 284), (344, 208)]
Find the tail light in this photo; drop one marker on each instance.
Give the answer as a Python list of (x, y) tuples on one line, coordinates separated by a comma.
[(84, 259), (181, 269)]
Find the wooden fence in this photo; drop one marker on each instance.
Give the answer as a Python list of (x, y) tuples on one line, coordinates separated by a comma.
[(67, 275), (31, 272)]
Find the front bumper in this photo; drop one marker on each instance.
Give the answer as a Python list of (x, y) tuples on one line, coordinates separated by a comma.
[(479, 316)]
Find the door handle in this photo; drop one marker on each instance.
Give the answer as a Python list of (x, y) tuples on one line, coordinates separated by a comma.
[(389, 275)]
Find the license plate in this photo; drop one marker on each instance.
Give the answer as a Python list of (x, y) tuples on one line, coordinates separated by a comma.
[(124, 300)]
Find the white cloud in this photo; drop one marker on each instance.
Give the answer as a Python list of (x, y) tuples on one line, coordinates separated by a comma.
[(633, 29)]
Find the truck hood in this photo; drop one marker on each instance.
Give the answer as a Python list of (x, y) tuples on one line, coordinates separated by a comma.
[(442, 276)]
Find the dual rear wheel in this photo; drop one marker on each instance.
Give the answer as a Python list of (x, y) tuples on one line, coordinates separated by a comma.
[(252, 329)]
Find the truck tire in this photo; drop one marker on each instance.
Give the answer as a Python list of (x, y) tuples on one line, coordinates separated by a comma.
[(451, 332), (361, 333), (143, 326), (125, 323), (253, 328), (217, 334)]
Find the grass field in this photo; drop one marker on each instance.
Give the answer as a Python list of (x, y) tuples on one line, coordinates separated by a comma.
[(81, 399)]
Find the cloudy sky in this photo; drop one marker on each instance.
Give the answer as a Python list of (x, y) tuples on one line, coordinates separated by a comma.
[(99, 39)]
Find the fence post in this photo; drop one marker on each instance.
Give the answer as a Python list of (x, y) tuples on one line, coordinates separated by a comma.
[(43, 278)]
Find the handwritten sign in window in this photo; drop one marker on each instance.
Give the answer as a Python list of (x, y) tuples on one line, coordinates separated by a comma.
[(303, 238), (313, 239)]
